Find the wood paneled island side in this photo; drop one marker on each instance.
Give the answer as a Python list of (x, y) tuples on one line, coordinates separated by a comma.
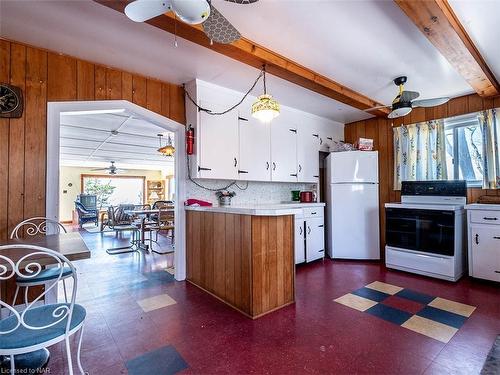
[(244, 259)]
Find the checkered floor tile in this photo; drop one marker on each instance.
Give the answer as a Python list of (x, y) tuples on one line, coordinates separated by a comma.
[(431, 316)]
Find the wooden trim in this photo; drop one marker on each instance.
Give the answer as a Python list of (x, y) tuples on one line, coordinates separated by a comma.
[(438, 22), (255, 55)]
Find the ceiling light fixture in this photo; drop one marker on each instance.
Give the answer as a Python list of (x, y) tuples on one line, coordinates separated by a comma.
[(93, 112), (265, 107), (168, 149)]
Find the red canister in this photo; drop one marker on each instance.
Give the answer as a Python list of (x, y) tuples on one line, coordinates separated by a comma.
[(306, 196)]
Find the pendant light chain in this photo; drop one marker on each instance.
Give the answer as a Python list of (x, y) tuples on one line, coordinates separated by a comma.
[(210, 112)]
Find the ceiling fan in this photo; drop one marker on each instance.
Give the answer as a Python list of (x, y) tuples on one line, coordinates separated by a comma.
[(112, 169), (405, 101), (193, 12)]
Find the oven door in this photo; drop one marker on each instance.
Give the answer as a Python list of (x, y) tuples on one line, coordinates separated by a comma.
[(428, 231)]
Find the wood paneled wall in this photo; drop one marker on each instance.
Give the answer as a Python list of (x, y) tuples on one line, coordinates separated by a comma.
[(380, 130), (45, 76)]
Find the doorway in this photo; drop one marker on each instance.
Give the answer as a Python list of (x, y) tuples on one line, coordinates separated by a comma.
[(104, 143)]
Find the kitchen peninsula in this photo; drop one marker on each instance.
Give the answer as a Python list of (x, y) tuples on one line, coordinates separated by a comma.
[(244, 256)]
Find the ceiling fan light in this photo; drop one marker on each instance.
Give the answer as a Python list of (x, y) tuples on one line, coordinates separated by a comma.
[(192, 12), (265, 108), (399, 112)]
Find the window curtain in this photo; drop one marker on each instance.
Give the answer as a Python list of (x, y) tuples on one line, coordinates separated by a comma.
[(419, 152), (491, 148)]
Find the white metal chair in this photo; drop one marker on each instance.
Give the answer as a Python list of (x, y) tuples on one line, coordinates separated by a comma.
[(38, 326), (33, 227)]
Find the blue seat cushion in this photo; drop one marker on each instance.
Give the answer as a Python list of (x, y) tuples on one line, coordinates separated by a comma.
[(41, 316), (46, 274)]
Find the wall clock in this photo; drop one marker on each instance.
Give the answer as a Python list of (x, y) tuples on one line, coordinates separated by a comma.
[(11, 101)]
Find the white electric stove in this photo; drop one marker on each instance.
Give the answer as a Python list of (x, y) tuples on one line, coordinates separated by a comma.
[(425, 233)]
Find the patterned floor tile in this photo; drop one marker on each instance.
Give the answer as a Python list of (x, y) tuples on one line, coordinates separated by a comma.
[(383, 287), (452, 306), (389, 313), (371, 294), (163, 361), (415, 296), (442, 316), (430, 328), (403, 304), (156, 302), (355, 302)]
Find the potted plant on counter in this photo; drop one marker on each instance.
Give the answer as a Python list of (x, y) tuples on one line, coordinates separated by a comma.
[(225, 197)]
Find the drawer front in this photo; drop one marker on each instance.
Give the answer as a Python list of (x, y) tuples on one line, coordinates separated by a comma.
[(426, 263), (485, 217), (313, 212)]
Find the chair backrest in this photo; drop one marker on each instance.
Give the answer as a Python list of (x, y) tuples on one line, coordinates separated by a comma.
[(165, 214), (24, 260), (142, 207), (37, 225), (162, 203), (89, 201)]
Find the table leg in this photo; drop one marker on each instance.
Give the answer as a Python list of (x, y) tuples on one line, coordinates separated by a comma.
[(142, 243)]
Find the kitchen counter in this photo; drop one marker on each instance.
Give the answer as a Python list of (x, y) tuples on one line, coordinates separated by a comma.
[(483, 207), (271, 209), (244, 255)]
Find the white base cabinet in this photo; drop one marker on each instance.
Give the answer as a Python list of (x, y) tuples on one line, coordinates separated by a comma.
[(484, 242), (309, 235)]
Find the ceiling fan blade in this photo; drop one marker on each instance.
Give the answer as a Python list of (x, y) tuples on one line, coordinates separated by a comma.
[(100, 169), (374, 108), (243, 1), (143, 10), (408, 96), (219, 29), (429, 102)]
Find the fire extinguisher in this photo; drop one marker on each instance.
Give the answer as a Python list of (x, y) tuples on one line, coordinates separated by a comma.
[(190, 140)]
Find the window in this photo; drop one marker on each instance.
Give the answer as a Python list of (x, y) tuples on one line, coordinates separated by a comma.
[(114, 190), (464, 149)]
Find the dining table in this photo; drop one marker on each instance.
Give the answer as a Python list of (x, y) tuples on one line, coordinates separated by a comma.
[(144, 215), (74, 248)]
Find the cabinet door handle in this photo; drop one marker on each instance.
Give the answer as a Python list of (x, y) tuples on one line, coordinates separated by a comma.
[(308, 229), (497, 271), (477, 239), (320, 141), (300, 168), (329, 138), (320, 226), (204, 169), (240, 171), (300, 231), (293, 174), (235, 162), (267, 165), (293, 130), (314, 213), (490, 218), (274, 166), (496, 237)]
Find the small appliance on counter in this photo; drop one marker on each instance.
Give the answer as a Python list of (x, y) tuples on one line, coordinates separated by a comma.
[(306, 197), (295, 195), (225, 197), (425, 232)]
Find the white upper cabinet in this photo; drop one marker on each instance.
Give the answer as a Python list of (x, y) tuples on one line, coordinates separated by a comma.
[(218, 143), (283, 150), (235, 146), (307, 154), (255, 149)]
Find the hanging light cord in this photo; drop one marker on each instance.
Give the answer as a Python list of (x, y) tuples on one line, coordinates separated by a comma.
[(210, 112), (233, 183)]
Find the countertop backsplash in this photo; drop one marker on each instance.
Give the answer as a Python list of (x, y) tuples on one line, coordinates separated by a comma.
[(257, 192)]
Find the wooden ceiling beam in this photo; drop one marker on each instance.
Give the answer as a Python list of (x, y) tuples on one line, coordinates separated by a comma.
[(250, 53), (438, 22)]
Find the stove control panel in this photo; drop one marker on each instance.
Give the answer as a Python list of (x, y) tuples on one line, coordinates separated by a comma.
[(452, 188)]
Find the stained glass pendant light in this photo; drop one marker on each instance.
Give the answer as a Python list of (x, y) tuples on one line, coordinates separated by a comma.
[(265, 107), (168, 149)]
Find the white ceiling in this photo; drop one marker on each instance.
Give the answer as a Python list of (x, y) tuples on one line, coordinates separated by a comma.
[(481, 21), (361, 44), (86, 141)]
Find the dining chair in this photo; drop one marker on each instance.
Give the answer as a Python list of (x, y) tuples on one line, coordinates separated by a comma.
[(164, 222), (35, 326), (33, 227)]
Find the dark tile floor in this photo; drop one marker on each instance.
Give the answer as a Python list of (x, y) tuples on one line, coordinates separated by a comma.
[(315, 335)]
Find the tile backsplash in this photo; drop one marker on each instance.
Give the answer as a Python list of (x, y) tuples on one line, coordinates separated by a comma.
[(255, 193)]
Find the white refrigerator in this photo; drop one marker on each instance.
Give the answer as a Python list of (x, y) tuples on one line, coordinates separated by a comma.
[(352, 205)]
